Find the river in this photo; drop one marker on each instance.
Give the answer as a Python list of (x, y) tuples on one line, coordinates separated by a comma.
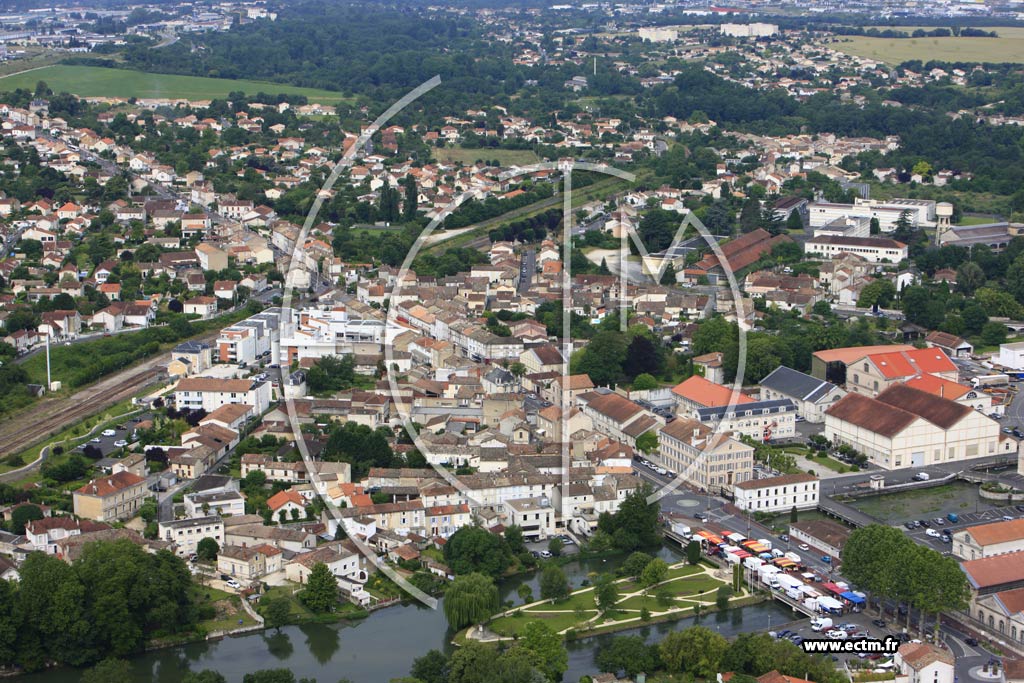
[(384, 645)]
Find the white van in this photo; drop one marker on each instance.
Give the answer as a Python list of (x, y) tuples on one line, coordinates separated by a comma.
[(821, 624)]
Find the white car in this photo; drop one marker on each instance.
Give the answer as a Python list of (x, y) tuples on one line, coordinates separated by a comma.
[(120, 443), (932, 532), (837, 634), (234, 584), (109, 432), (804, 546)]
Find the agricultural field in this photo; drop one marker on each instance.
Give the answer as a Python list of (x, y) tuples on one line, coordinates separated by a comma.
[(94, 81), (505, 157), (1008, 47)]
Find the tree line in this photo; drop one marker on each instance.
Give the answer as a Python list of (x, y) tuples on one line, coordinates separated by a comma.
[(889, 566)]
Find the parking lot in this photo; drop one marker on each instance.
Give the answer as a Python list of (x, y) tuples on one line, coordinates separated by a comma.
[(857, 622), (540, 548), (112, 440)]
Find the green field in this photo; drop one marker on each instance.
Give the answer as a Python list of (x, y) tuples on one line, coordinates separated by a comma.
[(1008, 47), (94, 81), (505, 157)]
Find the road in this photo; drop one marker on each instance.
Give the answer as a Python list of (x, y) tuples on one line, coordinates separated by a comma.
[(527, 268)]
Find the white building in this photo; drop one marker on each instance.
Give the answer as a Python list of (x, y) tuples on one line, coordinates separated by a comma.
[(762, 420), (924, 663), (210, 393), (753, 30), (872, 249), (777, 494), (534, 516), (222, 503), (702, 458), (1012, 355), (185, 534), (907, 427)]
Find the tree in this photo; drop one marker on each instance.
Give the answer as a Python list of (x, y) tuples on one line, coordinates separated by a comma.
[(514, 538), (525, 593), (473, 549), (321, 592), (970, 276), (411, 198), (22, 515), (603, 357), (470, 599), (431, 667), (880, 292), (647, 442), (276, 612), (269, 676), (874, 227), (975, 317), (553, 584), (993, 333), (207, 549), (635, 564), (545, 649), (794, 222), (794, 515), (204, 676), (693, 552), (697, 650), (606, 592), (626, 653), (555, 546), (644, 382), (636, 522), (654, 573), (109, 671), (750, 215)]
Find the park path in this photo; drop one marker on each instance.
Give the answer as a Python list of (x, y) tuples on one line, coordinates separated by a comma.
[(490, 636)]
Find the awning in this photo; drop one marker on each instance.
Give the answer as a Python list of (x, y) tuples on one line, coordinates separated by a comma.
[(829, 603), (784, 562), (832, 588), (852, 597)]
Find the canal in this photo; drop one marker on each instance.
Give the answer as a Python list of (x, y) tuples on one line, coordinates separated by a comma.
[(384, 645)]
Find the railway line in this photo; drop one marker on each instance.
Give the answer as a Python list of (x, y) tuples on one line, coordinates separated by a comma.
[(50, 417)]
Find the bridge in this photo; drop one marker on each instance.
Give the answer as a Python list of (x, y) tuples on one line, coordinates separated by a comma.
[(845, 513)]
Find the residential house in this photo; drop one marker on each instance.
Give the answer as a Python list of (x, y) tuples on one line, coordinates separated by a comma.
[(112, 498)]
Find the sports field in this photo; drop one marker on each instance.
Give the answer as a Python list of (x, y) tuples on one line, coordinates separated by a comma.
[(1008, 47), (94, 81)]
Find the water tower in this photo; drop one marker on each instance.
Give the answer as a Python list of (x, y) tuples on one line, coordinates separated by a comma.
[(943, 223)]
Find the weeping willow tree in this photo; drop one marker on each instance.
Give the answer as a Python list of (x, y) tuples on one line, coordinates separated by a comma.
[(471, 599)]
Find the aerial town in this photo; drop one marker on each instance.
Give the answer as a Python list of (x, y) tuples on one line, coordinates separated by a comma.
[(610, 342)]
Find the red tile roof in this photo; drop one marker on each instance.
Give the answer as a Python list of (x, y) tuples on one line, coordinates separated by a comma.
[(708, 394)]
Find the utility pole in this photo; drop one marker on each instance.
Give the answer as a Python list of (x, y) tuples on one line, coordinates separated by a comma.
[(49, 383)]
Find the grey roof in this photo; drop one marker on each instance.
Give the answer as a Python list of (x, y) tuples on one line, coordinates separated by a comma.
[(782, 405), (191, 347), (499, 375), (797, 385)]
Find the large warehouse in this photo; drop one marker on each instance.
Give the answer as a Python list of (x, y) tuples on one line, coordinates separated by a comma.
[(906, 427)]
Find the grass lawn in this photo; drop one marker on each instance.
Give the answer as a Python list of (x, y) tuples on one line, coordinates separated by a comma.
[(466, 157), (682, 585), (95, 81), (977, 220), (297, 610), (830, 463), (512, 625), (228, 609), (1008, 47)]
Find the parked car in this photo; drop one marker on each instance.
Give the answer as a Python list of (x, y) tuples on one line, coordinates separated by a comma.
[(932, 533), (545, 554), (804, 546), (971, 640), (880, 623), (95, 439), (785, 537), (120, 443), (837, 634), (939, 521), (109, 432), (234, 584)]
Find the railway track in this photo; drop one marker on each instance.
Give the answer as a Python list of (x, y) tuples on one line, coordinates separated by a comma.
[(51, 417)]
